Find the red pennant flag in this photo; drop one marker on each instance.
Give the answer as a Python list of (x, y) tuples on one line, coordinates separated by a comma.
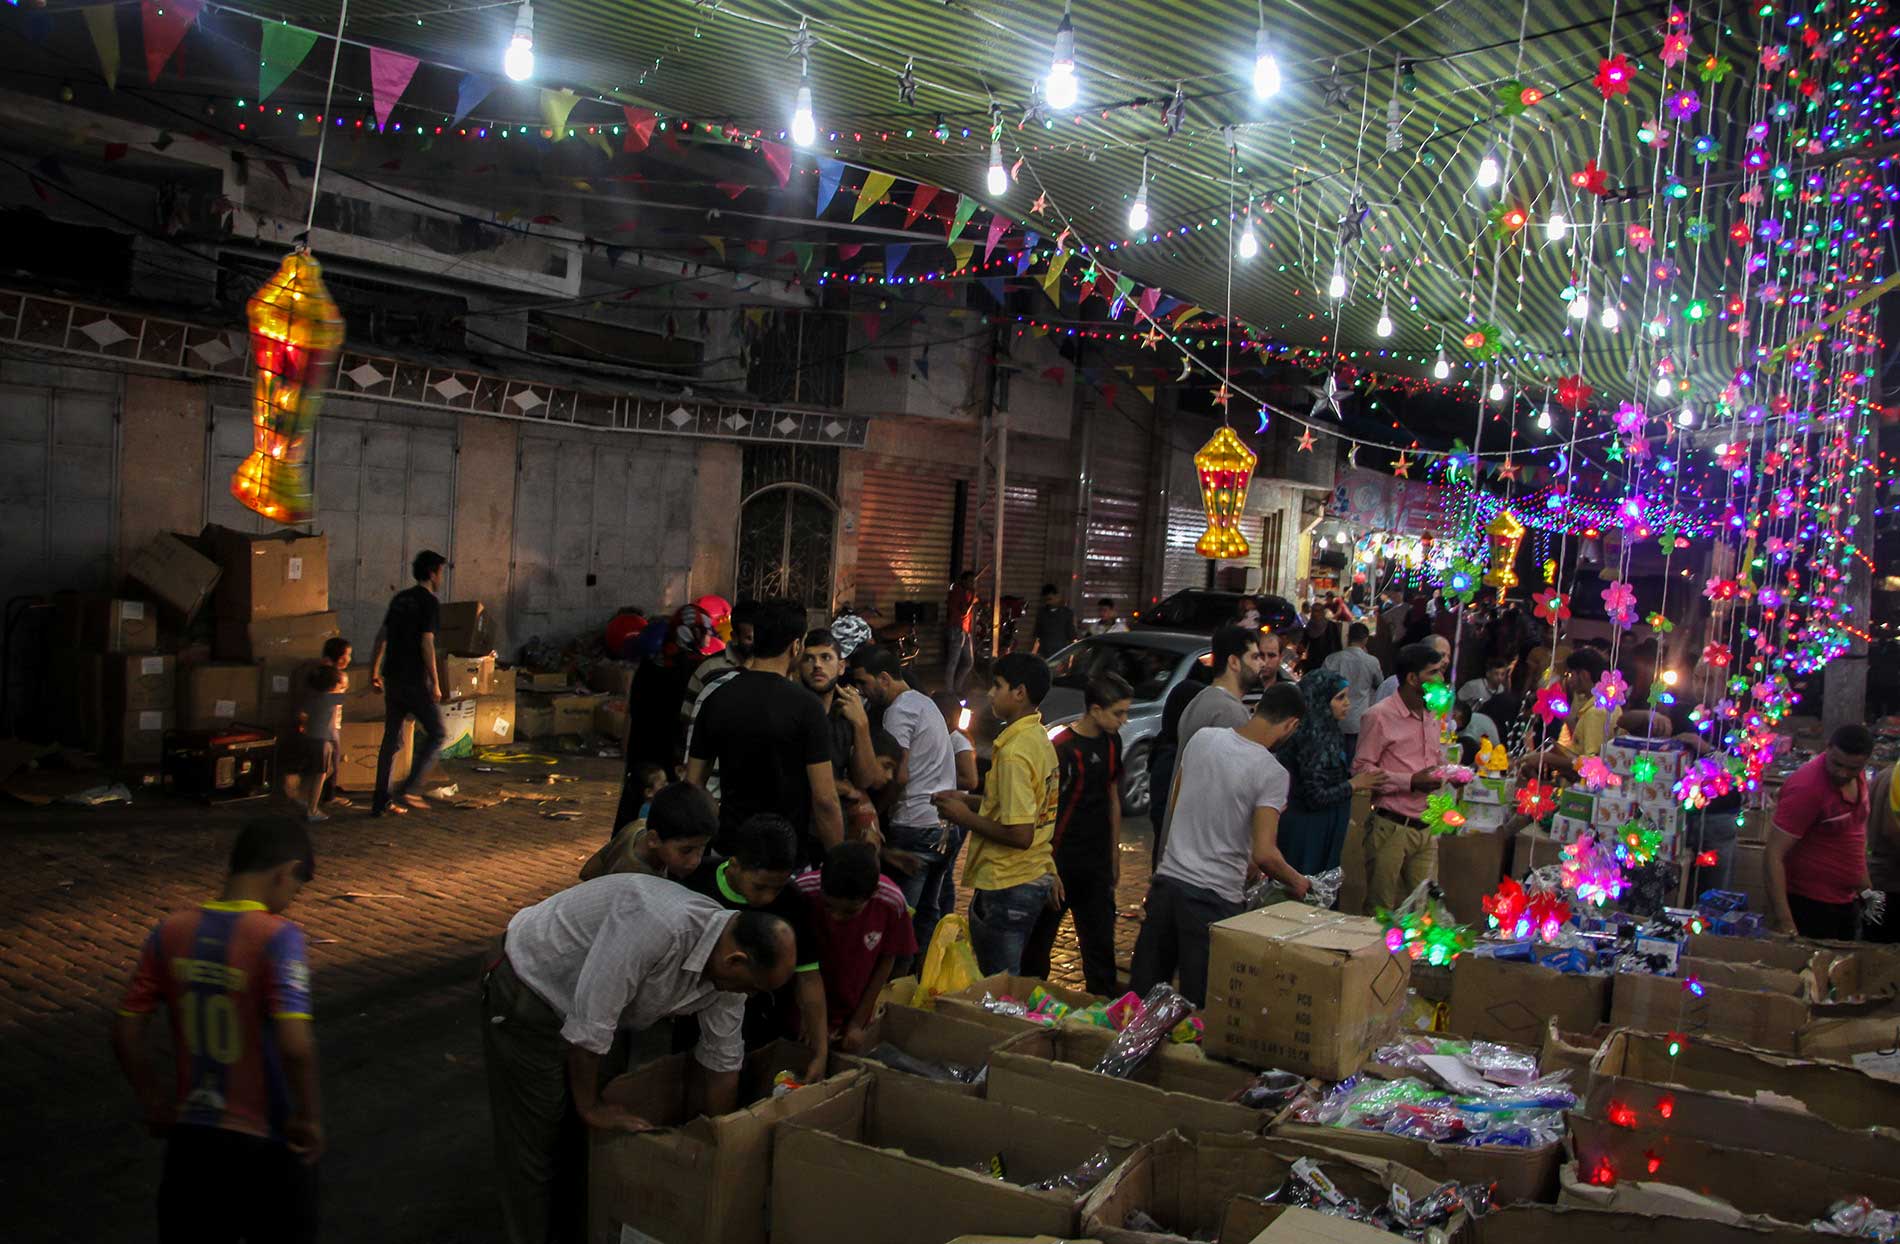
[(626, 226), (733, 189), (756, 245), (164, 27), (778, 158), (999, 225), (890, 361), (640, 123), (276, 168), (849, 250), (873, 324), (1108, 393), (919, 200), (1147, 299), (1054, 374)]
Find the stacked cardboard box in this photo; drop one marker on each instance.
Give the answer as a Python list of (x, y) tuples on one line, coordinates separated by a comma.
[(270, 614), (113, 687)]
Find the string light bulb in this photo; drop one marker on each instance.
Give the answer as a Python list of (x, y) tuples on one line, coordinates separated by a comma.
[(1336, 287), (804, 124), (998, 175), (1384, 326), (1497, 390), (1685, 418), (1557, 225), (1664, 386), (518, 61), (1249, 244), (1138, 211), (1580, 306), (1441, 367), (1061, 89), (1611, 316), (1489, 170), (1544, 421), (1266, 66)]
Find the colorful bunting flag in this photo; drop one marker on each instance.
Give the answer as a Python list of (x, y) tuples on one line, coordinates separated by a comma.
[(830, 172), (1147, 391), (803, 251), (919, 200), (778, 158), (103, 22), (847, 251), (640, 123), (1052, 275), (555, 109), (164, 27), (961, 252), (966, 208), (1147, 298), (283, 48), (873, 324), (875, 184), (731, 189), (471, 90), (994, 284), (389, 74), (894, 257), (717, 243), (999, 225)]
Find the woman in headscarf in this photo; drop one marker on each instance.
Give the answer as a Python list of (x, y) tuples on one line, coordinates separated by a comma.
[(1319, 806)]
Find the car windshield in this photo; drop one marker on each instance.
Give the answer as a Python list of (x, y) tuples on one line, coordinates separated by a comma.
[(1196, 611), (1148, 670)]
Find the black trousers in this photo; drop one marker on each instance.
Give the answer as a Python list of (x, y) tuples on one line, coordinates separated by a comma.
[(1835, 922), (223, 1187), (1174, 937), (399, 702), (1089, 897)]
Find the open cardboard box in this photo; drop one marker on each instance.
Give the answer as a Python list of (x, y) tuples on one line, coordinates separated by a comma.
[(1520, 1174), (1289, 1224), (1570, 1051), (1051, 1071), (1563, 1224), (702, 1180), (1190, 1186), (931, 1037), (893, 1159), (1515, 1001), (967, 1003), (1658, 1199), (1760, 1016)]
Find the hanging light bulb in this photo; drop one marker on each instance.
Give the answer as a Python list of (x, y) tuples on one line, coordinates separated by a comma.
[(1544, 421), (1497, 390), (1685, 418), (1249, 244), (1664, 386), (1061, 88), (1557, 226), (1580, 306), (804, 125), (1384, 326), (1441, 368), (518, 61), (1336, 288), (999, 176), (1138, 211), (1489, 170), (1266, 66), (1611, 316)]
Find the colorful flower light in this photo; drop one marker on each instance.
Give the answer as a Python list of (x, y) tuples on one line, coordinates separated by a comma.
[(1551, 703), (1431, 933), (1614, 76), (1574, 393), (1225, 467), (1593, 875), (1438, 696), (1536, 800), (1591, 178), (1596, 775), (1442, 814), (1619, 603), (1611, 691), (1637, 843), (1684, 104), (1551, 605)]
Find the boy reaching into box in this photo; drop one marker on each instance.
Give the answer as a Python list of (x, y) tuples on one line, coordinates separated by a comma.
[(862, 927), (320, 723)]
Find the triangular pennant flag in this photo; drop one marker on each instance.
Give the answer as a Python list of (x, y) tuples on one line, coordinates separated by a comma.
[(556, 106), (755, 316), (994, 284), (966, 208), (830, 172), (1147, 391), (919, 200), (282, 50), (640, 122), (848, 251), (471, 90), (1123, 284), (164, 28), (778, 158), (875, 184), (894, 258), (1185, 314), (999, 225), (1054, 374), (1147, 298), (595, 138), (1052, 275), (1024, 258), (890, 362), (961, 252), (922, 363), (103, 22), (1109, 392), (1165, 304), (757, 246), (803, 250), (1126, 370), (873, 324), (389, 74), (718, 244), (732, 189)]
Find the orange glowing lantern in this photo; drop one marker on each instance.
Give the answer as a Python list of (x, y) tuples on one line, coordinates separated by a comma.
[(1505, 534), (1225, 465), (296, 338)]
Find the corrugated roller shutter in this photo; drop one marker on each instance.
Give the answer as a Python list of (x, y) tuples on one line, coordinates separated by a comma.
[(1181, 566), (1026, 509), (1117, 501), (905, 521)]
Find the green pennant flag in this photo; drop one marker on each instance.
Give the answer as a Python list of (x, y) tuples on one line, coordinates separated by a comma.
[(103, 22), (284, 47), (966, 208), (803, 250), (875, 184)]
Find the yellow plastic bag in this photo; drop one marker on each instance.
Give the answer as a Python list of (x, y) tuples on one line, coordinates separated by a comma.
[(949, 963)]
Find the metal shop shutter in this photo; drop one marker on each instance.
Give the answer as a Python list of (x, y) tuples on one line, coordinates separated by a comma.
[(600, 523), (1118, 492), (905, 522), (59, 471), (1027, 507)]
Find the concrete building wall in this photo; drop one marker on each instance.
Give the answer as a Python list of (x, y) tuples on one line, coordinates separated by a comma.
[(485, 515), (162, 431)]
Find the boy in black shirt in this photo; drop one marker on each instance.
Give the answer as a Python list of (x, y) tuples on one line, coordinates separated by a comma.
[(1088, 835), (757, 877)]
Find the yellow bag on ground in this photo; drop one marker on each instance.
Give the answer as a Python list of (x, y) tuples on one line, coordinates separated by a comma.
[(949, 963)]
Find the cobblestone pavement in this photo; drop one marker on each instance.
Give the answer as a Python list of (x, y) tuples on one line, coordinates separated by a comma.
[(396, 917)]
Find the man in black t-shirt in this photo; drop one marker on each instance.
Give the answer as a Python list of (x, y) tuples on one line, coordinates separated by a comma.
[(1054, 627), (403, 668), (771, 741)]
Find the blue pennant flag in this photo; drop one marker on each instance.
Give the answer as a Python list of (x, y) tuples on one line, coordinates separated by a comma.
[(894, 255), (471, 90), (829, 174)]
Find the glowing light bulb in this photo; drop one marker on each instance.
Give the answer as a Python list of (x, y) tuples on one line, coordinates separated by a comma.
[(1685, 418), (1336, 287), (1441, 368), (804, 125), (1664, 386), (1611, 316), (1497, 390), (518, 61), (1138, 212), (1489, 170), (1384, 326), (1060, 88), (999, 176), (1266, 67), (1580, 307), (1557, 228), (1249, 244), (1544, 421)]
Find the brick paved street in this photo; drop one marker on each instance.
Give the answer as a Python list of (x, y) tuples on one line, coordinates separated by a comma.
[(396, 918)]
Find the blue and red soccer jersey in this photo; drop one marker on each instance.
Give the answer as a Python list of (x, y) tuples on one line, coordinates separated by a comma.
[(225, 973)]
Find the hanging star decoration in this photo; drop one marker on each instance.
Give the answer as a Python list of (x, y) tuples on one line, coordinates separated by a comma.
[(1536, 800), (1441, 814), (1352, 454), (1508, 469), (1551, 605), (1551, 703), (1574, 393), (1402, 466), (1174, 116), (1614, 76), (1306, 439), (1326, 397), (1615, 452), (1338, 92), (1152, 338), (802, 40), (1619, 604), (907, 83), (1040, 206), (1036, 111), (1591, 178), (1222, 395), (1353, 224), (1483, 340)]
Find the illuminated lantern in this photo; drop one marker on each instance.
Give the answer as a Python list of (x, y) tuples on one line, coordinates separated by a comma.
[(1505, 534), (296, 337), (1225, 465)]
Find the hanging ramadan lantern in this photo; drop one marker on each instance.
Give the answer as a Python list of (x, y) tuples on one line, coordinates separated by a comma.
[(296, 337), (1225, 466), (1505, 533)]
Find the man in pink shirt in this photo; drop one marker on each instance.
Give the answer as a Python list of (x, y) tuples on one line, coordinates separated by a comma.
[(1816, 861), (1400, 737)]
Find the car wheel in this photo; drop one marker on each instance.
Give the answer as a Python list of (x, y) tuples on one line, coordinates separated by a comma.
[(1136, 787)]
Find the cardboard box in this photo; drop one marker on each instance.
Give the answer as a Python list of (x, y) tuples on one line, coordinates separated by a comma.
[(1849, 1038), (1552, 1224), (1520, 1174), (278, 575), (534, 715), (701, 1180), (130, 681), (1301, 989), (610, 719), (612, 677), (177, 575), (967, 1004), (494, 720), (118, 626), (357, 746), (214, 695), (1190, 1187), (1789, 953), (1533, 849), (895, 1160), (574, 714), (930, 1037), (1290, 1224), (296, 637), (462, 629), (1570, 1051), (464, 678), (502, 681), (1505, 1000), (137, 737), (1051, 1071), (362, 702), (458, 718), (1769, 1021), (1470, 865), (282, 686), (531, 680)]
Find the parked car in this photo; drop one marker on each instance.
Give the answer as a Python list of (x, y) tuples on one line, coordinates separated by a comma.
[(1200, 611), (1153, 662)]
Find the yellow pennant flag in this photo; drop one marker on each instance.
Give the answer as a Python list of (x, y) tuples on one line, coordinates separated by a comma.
[(875, 184), (555, 107), (103, 22), (597, 139), (1054, 274), (718, 244), (961, 252), (1147, 391)]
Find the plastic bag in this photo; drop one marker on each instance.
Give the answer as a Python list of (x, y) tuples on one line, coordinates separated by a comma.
[(1083, 1177), (1161, 1010), (949, 964), (1322, 890)]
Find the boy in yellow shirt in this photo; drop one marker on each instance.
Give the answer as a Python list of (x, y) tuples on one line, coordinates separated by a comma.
[(1011, 864)]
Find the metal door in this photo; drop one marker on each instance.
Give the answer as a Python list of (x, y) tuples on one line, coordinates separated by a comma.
[(59, 476)]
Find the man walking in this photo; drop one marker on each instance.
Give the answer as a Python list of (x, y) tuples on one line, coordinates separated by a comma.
[(1400, 736), (1360, 669), (1054, 628), (402, 666), (624, 947), (1239, 659), (1107, 621), (1816, 862)]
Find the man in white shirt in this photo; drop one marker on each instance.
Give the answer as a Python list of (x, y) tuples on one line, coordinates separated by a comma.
[(626, 948), (1496, 680), (1106, 622), (928, 767), (1361, 671), (1226, 816), (1390, 687), (1238, 662)]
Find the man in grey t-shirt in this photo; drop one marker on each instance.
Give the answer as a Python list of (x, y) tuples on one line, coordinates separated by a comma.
[(1227, 803), (1238, 661)]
